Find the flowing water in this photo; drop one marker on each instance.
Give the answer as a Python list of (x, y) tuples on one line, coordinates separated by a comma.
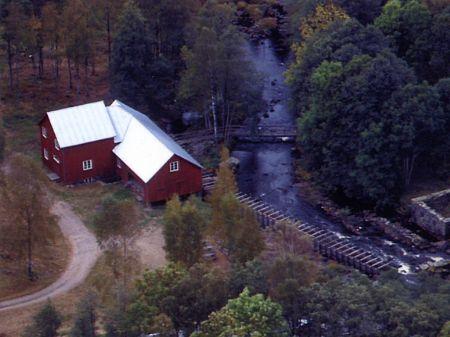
[(266, 170)]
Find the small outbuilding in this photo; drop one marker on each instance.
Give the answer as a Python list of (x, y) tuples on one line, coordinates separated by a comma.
[(97, 142)]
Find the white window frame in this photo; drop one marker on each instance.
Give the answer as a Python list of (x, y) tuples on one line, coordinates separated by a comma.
[(174, 166), (56, 144), (45, 154), (44, 132), (88, 165), (119, 163), (56, 159)]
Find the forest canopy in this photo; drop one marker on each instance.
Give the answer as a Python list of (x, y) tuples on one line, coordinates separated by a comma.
[(370, 96)]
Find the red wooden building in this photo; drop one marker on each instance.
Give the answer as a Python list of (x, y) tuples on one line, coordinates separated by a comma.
[(95, 142)]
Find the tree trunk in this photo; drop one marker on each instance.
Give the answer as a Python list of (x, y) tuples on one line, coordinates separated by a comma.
[(213, 105), (41, 62), (206, 118), (86, 77), (125, 253), (158, 37), (228, 122), (77, 82), (57, 60), (108, 31), (226, 110), (93, 69), (33, 65), (10, 64), (214, 114), (16, 67), (69, 67), (408, 168), (29, 250)]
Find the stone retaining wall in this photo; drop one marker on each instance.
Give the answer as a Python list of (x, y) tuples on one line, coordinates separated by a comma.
[(429, 218)]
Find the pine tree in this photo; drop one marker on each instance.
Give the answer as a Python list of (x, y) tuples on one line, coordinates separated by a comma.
[(130, 59), (85, 318), (45, 323)]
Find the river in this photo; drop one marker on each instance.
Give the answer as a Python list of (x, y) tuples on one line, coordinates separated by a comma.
[(266, 170)]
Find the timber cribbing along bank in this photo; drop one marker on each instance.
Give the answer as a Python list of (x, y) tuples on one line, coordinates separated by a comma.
[(326, 242)]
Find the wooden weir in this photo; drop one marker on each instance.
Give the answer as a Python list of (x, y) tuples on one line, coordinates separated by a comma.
[(325, 241)]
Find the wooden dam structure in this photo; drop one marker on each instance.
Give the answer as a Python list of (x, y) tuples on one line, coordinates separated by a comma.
[(325, 242)]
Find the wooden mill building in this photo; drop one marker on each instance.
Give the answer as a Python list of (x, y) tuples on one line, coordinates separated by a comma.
[(97, 142)]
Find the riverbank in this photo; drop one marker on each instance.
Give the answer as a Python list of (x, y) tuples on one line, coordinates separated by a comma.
[(268, 172)]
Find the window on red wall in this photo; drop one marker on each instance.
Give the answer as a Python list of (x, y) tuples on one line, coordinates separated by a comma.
[(174, 166), (87, 165), (44, 132), (56, 144), (46, 154)]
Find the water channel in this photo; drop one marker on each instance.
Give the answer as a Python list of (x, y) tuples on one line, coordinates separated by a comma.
[(266, 171)]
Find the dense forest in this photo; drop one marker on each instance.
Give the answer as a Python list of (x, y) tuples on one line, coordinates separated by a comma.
[(163, 57), (371, 87)]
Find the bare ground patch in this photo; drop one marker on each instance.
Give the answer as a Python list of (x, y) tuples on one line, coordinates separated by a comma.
[(150, 245)]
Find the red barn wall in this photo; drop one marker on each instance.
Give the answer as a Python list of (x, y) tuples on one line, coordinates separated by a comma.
[(70, 169), (187, 180), (49, 144), (126, 174), (102, 157)]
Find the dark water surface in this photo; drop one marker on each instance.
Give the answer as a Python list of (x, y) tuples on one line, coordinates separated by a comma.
[(266, 170)]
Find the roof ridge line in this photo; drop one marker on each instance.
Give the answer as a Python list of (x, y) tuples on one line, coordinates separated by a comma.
[(112, 122)]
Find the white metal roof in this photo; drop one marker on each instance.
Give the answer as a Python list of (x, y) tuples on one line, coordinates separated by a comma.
[(142, 152), (81, 124), (121, 119), (144, 147)]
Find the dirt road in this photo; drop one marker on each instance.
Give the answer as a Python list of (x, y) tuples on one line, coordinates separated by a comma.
[(85, 252)]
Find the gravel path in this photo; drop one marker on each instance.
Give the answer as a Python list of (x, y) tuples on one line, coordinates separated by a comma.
[(85, 252)]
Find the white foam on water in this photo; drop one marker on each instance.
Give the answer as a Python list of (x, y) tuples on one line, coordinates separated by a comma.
[(388, 242), (437, 258), (340, 235), (405, 269)]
